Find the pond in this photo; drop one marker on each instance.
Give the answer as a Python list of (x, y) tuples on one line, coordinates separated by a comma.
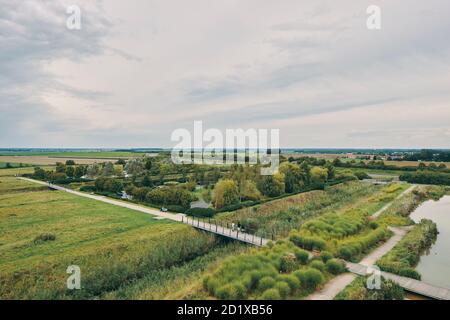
[(434, 266)]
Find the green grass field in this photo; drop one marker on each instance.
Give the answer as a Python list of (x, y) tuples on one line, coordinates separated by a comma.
[(77, 154), (19, 171), (113, 246)]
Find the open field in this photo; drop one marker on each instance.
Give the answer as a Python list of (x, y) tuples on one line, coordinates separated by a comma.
[(76, 154), (45, 160), (12, 185), (413, 163), (43, 232), (19, 171)]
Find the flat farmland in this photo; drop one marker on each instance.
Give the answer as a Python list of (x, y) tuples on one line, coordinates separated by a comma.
[(22, 170), (413, 163), (46, 160), (43, 232)]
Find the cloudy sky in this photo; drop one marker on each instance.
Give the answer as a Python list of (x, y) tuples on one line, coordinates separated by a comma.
[(139, 69)]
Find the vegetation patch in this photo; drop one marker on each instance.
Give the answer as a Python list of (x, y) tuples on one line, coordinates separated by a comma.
[(358, 290)]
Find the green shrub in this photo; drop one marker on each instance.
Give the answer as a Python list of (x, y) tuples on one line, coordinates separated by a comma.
[(271, 294), (302, 256), (317, 264), (232, 291), (291, 280), (211, 285), (288, 263), (308, 243), (410, 273), (44, 237), (373, 225), (283, 288), (266, 283), (311, 279), (335, 266), (176, 208), (325, 256), (87, 188), (251, 280), (201, 212)]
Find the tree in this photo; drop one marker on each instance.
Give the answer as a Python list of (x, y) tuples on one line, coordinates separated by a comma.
[(70, 163), (39, 173), (121, 162), (70, 171), (295, 177), (80, 171), (60, 168), (134, 167), (92, 170), (249, 191), (272, 186), (147, 182), (148, 163), (108, 169), (319, 175), (225, 193)]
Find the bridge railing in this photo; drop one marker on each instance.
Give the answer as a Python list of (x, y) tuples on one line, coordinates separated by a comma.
[(225, 229)]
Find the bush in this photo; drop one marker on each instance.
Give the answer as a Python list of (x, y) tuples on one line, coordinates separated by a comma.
[(302, 256), (266, 283), (88, 188), (291, 280), (283, 288), (44, 237), (325, 256), (232, 291), (175, 208), (288, 263), (317, 264), (310, 279), (271, 294), (410, 273), (201, 212), (361, 175), (335, 266), (308, 243)]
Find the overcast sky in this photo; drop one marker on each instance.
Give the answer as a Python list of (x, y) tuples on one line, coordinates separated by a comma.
[(139, 69)]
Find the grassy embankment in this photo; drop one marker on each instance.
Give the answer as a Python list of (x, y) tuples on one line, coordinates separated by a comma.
[(283, 270), (279, 217), (43, 232), (403, 258)]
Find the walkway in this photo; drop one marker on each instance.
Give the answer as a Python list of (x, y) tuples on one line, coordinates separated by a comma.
[(232, 233)]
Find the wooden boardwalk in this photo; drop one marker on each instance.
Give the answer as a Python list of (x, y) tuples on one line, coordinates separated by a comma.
[(221, 230), (411, 285)]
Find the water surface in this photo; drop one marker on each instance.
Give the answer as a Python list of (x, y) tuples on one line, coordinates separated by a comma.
[(434, 266)]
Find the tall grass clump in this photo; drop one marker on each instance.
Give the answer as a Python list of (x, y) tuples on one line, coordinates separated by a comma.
[(405, 256)]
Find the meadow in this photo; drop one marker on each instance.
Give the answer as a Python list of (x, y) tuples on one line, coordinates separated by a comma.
[(43, 232), (281, 216)]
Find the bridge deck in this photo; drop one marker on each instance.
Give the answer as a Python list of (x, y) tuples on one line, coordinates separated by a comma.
[(226, 232), (408, 284)]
